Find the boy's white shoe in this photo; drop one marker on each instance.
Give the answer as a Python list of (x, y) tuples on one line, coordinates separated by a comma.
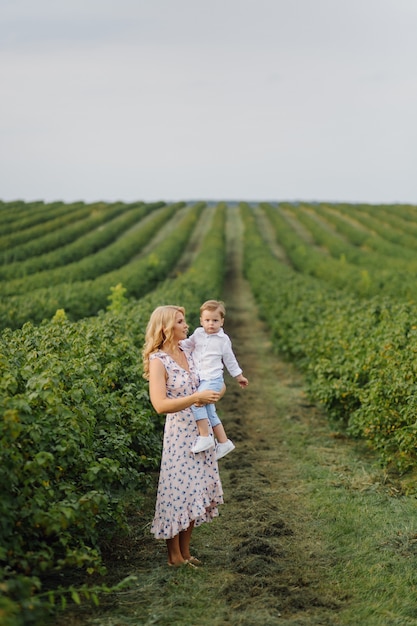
[(203, 443), (224, 448)]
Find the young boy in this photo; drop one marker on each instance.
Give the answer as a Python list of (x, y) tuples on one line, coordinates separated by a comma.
[(212, 349)]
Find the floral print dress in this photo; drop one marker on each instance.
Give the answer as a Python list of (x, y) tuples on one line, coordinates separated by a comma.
[(189, 486)]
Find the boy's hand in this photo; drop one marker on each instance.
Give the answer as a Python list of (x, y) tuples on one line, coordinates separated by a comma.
[(243, 382)]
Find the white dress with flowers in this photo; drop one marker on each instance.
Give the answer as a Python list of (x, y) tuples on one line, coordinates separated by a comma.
[(189, 486)]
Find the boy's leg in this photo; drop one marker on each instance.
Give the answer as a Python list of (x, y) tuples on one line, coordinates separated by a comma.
[(223, 448), (205, 439), (203, 427), (216, 385), (224, 445), (200, 414), (220, 433)]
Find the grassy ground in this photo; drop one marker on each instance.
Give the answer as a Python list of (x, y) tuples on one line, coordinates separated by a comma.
[(311, 533)]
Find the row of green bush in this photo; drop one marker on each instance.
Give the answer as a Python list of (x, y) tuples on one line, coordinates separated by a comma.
[(79, 436), (387, 224), (86, 298), (10, 210), (362, 280), (72, 242), (136, 233), (358, 355), (43, 225), (375, 251), (359, 234), (19, 215)]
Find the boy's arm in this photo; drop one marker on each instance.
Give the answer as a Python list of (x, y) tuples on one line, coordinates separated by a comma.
[(189, 343), (232, 365)]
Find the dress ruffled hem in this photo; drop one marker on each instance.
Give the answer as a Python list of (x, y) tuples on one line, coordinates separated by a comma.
[(163, 528)]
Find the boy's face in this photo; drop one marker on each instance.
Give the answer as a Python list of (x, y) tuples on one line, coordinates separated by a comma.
[(211, 321)]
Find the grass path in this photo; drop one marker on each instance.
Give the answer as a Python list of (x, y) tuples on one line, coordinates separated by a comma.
[(311, 533)]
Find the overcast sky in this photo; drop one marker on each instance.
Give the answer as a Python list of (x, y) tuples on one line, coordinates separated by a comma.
[(222, 99)]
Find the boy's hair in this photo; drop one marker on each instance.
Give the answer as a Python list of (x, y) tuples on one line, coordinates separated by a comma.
[(212, 305)]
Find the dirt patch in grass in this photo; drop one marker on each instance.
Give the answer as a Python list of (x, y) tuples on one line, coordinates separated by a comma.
[(275, 552)]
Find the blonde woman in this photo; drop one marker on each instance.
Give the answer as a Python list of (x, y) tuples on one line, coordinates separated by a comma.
[(189, 489)]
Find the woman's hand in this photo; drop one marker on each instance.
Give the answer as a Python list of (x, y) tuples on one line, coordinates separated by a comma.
[(203, 403), (207, 396)]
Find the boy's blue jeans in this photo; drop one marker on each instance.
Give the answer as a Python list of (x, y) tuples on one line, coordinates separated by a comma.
[(209, 410)]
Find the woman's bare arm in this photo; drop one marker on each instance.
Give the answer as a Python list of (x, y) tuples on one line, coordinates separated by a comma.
[(158, 392)]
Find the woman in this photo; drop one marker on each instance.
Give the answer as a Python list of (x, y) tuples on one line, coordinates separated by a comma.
[(189, 489)]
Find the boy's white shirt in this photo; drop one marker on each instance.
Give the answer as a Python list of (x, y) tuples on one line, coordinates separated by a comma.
[(210, 352)]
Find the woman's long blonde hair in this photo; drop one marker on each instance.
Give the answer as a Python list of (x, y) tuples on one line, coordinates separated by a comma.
[(159, 331)]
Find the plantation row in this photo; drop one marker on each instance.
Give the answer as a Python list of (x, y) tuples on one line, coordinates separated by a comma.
[(18, 216), (357, 244), (365, 266), (79, 436), (366, 249), (74, 241), (358, 354), (25, 231), (82, 298), (107, 257), (388, 226)]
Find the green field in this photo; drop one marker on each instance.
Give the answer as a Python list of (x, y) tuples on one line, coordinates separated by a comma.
[(334, 284)]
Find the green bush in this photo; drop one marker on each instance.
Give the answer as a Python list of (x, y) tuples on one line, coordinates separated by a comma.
[(358, 355), (80, 440)]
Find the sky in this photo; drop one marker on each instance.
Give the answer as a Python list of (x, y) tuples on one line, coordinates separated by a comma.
[(312, 100)]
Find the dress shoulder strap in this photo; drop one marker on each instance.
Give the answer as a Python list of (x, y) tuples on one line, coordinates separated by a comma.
[(158, 355)]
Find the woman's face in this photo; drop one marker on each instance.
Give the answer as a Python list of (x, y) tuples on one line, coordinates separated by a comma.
[(180, 328)]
